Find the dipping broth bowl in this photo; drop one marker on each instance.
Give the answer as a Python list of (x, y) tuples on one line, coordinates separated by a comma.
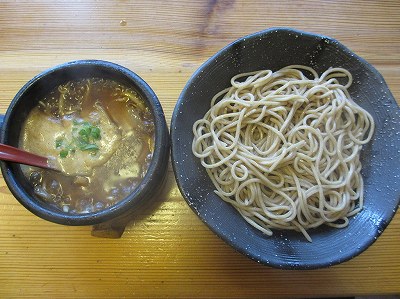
[(110, 222)]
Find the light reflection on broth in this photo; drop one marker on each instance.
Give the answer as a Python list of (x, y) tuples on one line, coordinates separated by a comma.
[(101, 134)]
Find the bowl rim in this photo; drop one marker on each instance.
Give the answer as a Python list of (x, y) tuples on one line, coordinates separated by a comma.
[(145, 187), (180, 183)]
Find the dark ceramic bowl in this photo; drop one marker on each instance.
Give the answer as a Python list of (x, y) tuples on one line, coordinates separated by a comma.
[(37, 88), (274, 49)]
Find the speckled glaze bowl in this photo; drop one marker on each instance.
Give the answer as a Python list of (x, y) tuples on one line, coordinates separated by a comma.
[(274, 49), (38, 87)]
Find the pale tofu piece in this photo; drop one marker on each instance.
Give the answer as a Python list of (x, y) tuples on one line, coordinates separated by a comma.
[(42, 131)]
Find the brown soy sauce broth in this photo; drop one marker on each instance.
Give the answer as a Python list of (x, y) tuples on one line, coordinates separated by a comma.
[(122, 166)]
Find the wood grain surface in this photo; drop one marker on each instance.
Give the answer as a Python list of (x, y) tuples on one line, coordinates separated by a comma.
[(170, 252)]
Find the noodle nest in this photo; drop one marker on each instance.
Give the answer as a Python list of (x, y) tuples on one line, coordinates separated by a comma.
[(283, 148)]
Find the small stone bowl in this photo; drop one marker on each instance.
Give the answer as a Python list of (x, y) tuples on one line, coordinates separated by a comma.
[(111, 221)]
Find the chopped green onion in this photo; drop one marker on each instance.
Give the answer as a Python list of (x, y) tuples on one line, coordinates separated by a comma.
[(84, 136), (59, 142), (64, 153), (95, 133), (89, 147)]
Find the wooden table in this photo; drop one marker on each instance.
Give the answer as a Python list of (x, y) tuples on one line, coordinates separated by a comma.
[(171, 253)]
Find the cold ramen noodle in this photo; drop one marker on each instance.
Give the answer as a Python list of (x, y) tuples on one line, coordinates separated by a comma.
[(283, 148), (100, 133)]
